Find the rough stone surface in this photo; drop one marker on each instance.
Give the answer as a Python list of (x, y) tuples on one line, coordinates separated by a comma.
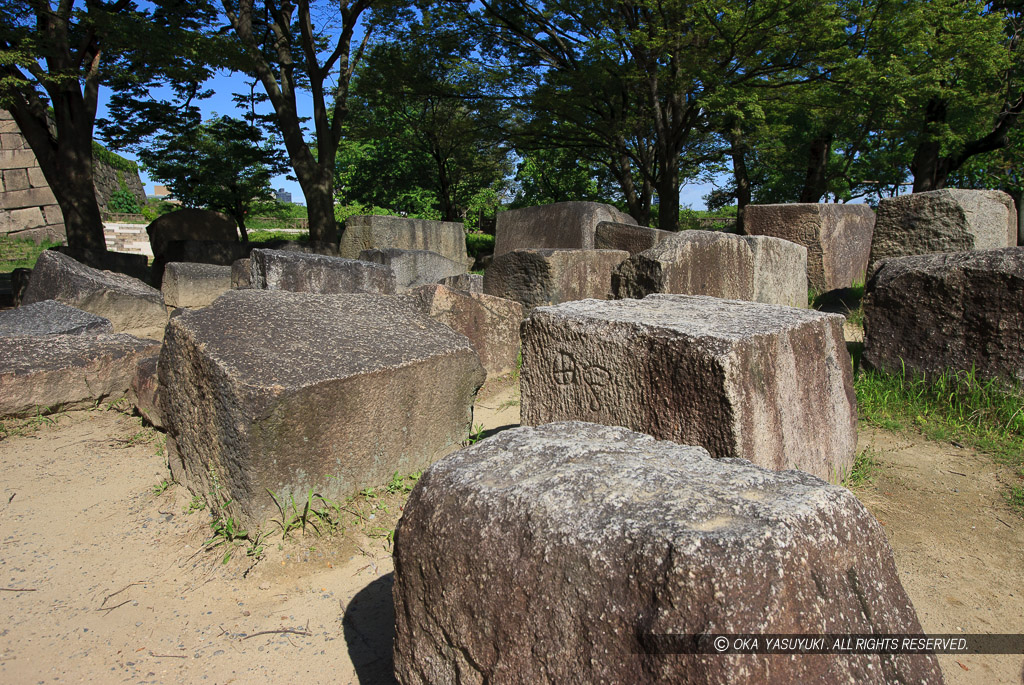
[(948, 220), (754, 268), (295, 392), (473, 283), (629, 237), (561, 554), (535, 278), (382, 232), (312, 273), (19, 283), (413, 268), (190, 224), (490, 323), (241, 276), (219, 252), (43, 374), (134, 265), (935, 312), (194, 285), (130, 304), (50, 317), (558, 225), (837, 238), (770, 384), (144, 391)]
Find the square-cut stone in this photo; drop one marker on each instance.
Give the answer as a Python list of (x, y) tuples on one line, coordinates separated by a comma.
[(766, 383), (535, 278), (446, 238), (299, 272), (563, 225), (194, 285)]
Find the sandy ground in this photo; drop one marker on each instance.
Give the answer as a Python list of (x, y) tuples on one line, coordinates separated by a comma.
[(103, 579)]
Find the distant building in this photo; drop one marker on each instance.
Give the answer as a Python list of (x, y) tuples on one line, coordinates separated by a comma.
[(283, 195), (164, 193)]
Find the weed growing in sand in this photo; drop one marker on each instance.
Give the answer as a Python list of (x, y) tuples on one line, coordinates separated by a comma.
[(398, 483), (476, 436), (1015, 498), (319, 514), (44, 416), (226, 531), (197, 504), (955, 406), (161, 487), (863, 471)]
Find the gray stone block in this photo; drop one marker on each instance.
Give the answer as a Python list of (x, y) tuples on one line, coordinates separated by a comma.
[(535, 278), (837, 238), (753, 268), (190, 224), (241, 276), (948, 220), (471, 283), (50, 317), (931, 313), (382, 232), (575, 553), (42, 374), (413, 268), (130, 304), (770, 384), (560, 225), (16, 179), (194, 285), (312, 273), (298, 393), (144, 390), (629, 237)]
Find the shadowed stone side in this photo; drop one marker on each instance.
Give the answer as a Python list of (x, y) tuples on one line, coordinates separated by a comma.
[(44, 374), (446, 238), (473, 283), (837, 238), (194, 285), (491, 323), (629, 237), (190, 224), (294, 392), (50, 317), (753, 268), (557, 554), (130, 304), (948, 220), (935, 312), (312, 273), (566, 225), (535, 278), (766, 383), (413, 268), (241, 277), (144, 391)]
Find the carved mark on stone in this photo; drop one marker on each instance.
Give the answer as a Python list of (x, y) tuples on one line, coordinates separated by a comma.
[(596, 378), (565, 369)]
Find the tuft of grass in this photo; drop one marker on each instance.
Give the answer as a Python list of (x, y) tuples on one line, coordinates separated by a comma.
[(475, 436), (864, 466), (1015, 498), (226, 532), (27, 426), (955, 406), (161, 487), (18, 253)]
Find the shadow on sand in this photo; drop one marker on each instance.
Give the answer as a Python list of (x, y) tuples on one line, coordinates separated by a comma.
[(369, 624)]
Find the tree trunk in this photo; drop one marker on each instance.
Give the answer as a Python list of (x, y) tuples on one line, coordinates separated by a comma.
[(815, 182), (739, 170), (323, 228), (668, 201)]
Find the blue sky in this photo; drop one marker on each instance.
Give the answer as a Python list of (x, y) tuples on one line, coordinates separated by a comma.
[(224, 85)]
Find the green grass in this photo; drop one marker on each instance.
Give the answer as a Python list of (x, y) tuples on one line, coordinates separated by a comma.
[(863, 471), (950, 407), (478, 244), (21, 254), (264, 236)]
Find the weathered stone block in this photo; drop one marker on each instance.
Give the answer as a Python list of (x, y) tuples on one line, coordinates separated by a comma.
[(47, 373), (535, 278), (194, 285), (130, 304), (948, 220), (753, 268), (413, 268), (17, 159), (219, 252), (559, 225), (31, 197), (19, 283), (770, 384), (53, 214), (837, 238), (571, 552), (241, 276), (298, 393), (382, 232), (16, 179), (472, 283), (190, 224), (50, 317), (490, 323), (144, 390), (629, 237), (930, 313), (36, 179), (30, 217), (312, 273), (134, 265)]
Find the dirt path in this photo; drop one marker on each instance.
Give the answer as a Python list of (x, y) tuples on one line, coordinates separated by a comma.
[(101, 580)]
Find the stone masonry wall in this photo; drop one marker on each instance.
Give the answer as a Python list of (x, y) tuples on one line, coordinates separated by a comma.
[(28, 208)]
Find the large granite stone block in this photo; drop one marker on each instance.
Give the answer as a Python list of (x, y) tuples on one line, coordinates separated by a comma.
[(190, 224), (194, 285), (964, 310), (446, 238), (948, 220), (753, 268), (560, 225), (535, 278), (770, 384), (837, 238), (50, 317), (313, 273), (131, 305), (413, 268), (490, 323), (43, 374), (629, 237), (576, 553), (472, 283), (297, 393)]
